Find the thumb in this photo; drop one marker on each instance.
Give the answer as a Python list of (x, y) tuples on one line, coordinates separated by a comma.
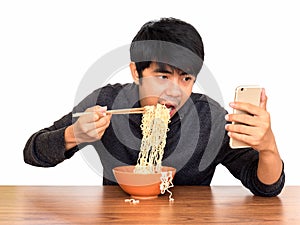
[(263, 99)]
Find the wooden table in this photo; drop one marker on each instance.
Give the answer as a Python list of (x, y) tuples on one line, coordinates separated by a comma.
[(106, 205)]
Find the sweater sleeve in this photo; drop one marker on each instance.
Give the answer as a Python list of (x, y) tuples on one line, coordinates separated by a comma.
[(46, 148), (243, 164)]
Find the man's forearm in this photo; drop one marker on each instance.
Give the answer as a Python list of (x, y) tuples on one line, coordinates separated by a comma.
[(269, 166)]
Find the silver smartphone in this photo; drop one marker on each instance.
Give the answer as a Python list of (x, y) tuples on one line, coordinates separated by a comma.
[(249, 94)]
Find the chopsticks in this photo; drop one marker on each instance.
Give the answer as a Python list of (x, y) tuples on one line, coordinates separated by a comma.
[(115, 111)]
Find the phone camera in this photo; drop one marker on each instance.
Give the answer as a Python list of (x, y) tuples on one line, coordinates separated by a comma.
[(242, 89)]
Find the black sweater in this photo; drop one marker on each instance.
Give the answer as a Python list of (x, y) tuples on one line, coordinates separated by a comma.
[(196, 142)]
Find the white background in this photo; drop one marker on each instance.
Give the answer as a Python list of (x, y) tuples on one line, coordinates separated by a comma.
[(47, 46)]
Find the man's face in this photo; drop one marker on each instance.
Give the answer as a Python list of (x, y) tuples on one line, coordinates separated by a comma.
[(165, 85)]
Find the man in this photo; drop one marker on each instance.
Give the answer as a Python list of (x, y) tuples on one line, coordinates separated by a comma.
[(166, 57)]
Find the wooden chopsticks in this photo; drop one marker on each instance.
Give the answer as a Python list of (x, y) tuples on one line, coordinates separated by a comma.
[(115, 111)]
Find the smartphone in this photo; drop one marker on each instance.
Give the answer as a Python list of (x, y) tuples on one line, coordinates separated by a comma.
[(249, 94)]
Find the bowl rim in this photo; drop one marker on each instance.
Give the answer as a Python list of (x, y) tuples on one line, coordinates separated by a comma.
[(116, 169)]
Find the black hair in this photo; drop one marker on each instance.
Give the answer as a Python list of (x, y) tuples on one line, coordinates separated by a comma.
[(170, 41)]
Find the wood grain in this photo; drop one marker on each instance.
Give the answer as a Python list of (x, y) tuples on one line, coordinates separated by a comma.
[(105, 205)]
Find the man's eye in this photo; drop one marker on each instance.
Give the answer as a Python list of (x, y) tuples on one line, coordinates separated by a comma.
[(163, 77), (187, 78)]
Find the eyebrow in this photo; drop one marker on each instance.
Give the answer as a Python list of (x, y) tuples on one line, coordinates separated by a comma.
[(162, 68)]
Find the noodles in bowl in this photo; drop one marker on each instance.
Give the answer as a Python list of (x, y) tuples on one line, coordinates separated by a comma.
[(149, 178), (139, 185)]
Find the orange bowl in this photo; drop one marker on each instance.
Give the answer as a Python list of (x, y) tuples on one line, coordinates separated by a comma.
[(140, 186)]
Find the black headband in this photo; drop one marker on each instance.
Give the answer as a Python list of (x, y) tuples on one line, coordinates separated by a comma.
[(168, 53)]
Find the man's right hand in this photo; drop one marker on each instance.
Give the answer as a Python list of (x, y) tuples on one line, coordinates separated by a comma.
[(88, 127)]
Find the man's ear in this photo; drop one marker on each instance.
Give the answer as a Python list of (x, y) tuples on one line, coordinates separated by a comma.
[(134, 73)]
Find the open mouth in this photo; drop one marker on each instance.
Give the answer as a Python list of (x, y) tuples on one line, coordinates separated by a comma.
[(172, 109)]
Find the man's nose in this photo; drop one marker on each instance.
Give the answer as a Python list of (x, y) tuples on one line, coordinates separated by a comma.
[(173, 88)]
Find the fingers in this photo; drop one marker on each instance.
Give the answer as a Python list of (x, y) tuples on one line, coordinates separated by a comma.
[(242, 118), (247, 139), (98, 125), (252, 109), (87, 121), (240, 129), (102, 122), (91, 127), (247, 107), (103, 125), (253, 128), (243, 133), (97, 113), (257, 115)]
